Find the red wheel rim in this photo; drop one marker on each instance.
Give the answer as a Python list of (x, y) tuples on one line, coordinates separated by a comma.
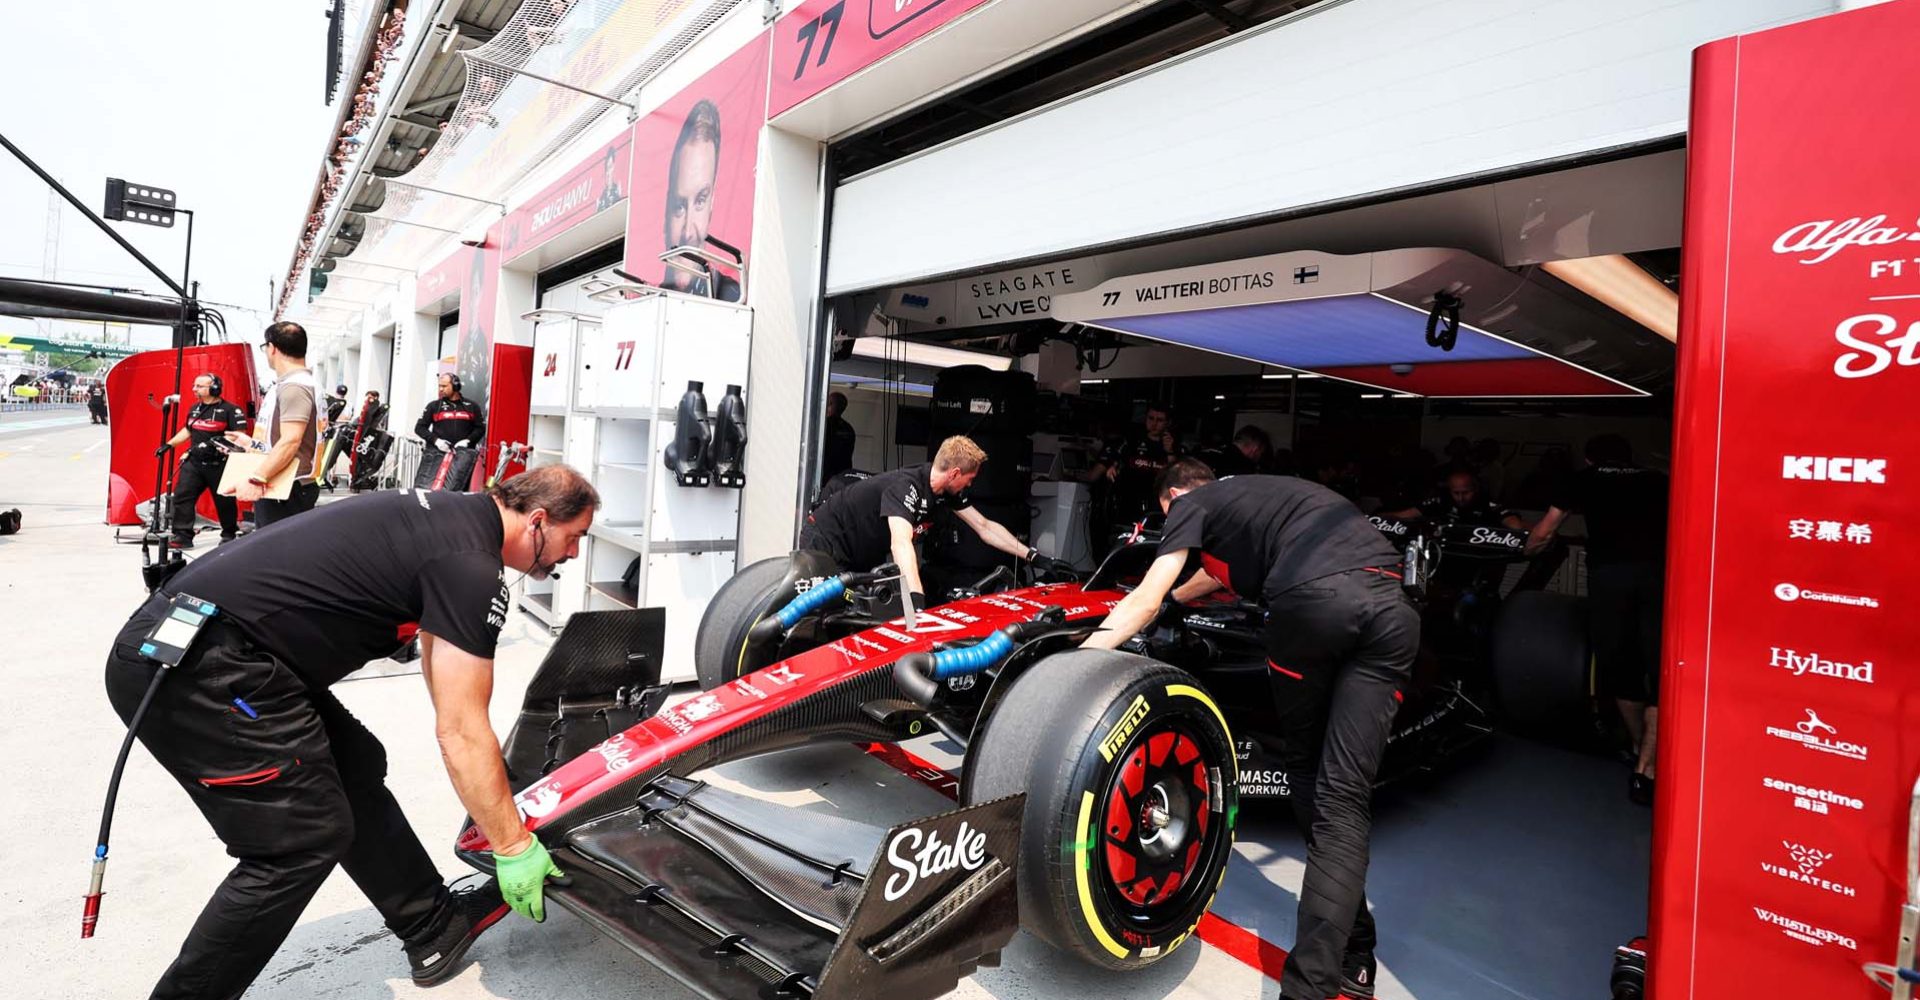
[(1157, 828)]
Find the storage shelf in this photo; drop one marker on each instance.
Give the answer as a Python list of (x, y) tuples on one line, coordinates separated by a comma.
[(626, 534), (638, 467), (617, 592)]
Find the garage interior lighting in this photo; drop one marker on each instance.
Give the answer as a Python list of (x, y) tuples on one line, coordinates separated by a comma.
[(1373, 395), (1271, 377), (930, 355), (1626, 288), (1093, 381)]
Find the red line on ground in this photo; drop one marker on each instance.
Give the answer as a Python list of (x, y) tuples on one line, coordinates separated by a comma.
[(1249, 948)]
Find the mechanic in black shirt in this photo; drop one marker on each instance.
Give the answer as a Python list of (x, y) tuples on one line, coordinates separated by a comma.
[(838, 438), (97, 403), (288, 779), (1133, 464), (1461, 504), (1626, 510), (876, 520), (1341, 639), (450, 421), (199, 470)]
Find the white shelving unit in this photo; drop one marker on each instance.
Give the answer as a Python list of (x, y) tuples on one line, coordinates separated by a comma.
[(550, 431), (605, 398)]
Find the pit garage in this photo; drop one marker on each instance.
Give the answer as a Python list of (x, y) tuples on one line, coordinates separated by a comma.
[(1492, 324)]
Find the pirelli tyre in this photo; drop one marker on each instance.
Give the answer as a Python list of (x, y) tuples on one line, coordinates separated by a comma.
[(1132, 794), (719, 645), (1543, 667)]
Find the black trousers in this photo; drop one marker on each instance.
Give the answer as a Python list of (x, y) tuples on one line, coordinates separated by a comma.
[(300, 499), (192, 479), (1340, 651), (1624, 605), (292, 793)]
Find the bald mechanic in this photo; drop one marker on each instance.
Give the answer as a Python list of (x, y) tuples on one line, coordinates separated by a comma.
[(291, 782), (1341, 639), (878, 518)]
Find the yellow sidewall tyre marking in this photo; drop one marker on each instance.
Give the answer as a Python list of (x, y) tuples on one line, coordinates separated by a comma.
[(1081, 866)]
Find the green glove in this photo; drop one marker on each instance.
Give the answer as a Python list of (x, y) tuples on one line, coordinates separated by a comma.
[(523, 878)]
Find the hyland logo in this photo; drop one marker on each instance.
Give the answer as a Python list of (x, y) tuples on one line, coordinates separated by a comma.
[(1789, 592), (1834, 470), (1817, 735), (1799, 665), (1800, 930), (1813, 800), (1806, 867)]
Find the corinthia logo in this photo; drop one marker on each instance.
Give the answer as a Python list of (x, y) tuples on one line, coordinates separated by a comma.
[(1789, 592)]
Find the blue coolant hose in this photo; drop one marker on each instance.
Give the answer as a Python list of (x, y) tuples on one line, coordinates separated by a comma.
[(816, 597), (972, 659)]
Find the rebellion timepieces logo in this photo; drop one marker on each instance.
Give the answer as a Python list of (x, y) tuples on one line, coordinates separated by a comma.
[(1818, 735)]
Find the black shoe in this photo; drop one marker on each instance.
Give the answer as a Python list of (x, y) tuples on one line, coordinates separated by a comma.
[(476, 906), (225, 538), (1640, 789), (1357, 978), (183, 541)]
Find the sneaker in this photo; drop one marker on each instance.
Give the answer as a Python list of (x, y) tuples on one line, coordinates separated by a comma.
[(225, 538), (476, 906), (1356, 980), (1640, 789), (183, 541)]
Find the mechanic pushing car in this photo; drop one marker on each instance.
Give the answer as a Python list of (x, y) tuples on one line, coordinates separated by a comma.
[(1341, 638), (288, 779), (449, 421), (877, 519), (1626, 510), (200, 468)]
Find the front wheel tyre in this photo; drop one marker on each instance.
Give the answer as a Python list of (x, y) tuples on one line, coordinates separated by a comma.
[(1132, 794)]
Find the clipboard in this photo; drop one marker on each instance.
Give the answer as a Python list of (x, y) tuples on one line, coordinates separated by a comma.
[(244, 465)]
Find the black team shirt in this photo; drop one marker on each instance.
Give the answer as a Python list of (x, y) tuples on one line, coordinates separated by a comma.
[(326, 592), (1626, 511), (452, 421), (852, 525), (1440, 510), (1264, 535), (207, 421)]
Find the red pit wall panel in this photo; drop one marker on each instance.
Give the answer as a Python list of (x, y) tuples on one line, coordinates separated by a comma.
[(1787, 737)]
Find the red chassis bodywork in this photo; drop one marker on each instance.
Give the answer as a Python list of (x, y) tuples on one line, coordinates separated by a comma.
[(642, 751)]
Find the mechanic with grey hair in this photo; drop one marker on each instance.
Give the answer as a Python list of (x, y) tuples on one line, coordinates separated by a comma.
[(289, 780), (1341, 638)]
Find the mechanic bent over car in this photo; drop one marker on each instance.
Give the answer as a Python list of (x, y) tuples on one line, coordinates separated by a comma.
[(450, 421), (878, 518), (1341, 639), (289, 780), (200, 468)]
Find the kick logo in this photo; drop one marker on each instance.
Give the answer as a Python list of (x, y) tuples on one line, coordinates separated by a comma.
[(1834, 470)]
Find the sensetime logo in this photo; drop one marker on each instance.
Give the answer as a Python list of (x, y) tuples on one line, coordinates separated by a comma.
[(1791, 592)]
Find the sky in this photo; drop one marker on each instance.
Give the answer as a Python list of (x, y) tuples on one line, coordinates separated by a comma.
[(220, 100)]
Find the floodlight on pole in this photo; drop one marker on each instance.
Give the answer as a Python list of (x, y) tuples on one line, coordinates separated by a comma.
[(142, 203)]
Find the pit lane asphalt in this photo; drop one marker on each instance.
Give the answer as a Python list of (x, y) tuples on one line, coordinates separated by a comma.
[(65, 587)]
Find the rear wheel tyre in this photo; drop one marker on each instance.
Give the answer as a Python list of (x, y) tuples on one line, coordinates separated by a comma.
[(719, 645), (1132, 794), (1543, 667)]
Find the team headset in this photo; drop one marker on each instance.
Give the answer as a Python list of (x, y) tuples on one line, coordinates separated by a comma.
[(453, 381), (214, 385)]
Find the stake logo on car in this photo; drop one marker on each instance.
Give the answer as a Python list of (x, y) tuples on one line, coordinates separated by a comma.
[(916, 854)]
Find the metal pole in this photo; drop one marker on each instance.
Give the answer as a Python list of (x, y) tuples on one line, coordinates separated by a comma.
[(417, 225), (179, 290), (451, 194), (632, 111)]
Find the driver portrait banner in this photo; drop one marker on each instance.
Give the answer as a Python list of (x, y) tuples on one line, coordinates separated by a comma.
[(1787, 757), (693, 174)]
